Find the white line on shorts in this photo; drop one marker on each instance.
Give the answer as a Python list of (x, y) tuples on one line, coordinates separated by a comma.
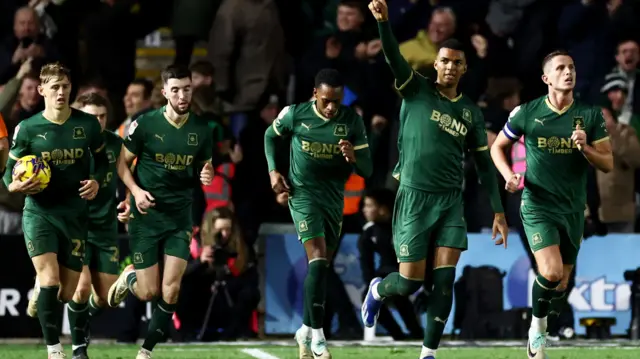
[(259, 354)]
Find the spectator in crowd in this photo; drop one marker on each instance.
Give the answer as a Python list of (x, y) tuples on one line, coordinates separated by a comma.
[(26, 42), (376, 239), (246, 48), (191, 21), (617, 194), (137, 101), (422, 50), (20, 99), (627, 59), (221, 281), (201, 74)]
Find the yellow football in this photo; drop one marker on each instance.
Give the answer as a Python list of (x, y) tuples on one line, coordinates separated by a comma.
[(32, 165)]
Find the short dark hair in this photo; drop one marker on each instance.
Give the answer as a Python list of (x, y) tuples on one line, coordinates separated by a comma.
[(147, 86), (175, 72), (452, 44), (94, 99), (382, 196), (202, 67), (329, 77), (552, 55)]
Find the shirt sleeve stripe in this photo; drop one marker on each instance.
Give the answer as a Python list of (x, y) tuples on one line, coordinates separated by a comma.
[(508, 131), (13, 157), (275, 129), (359, 147), (483, 148)]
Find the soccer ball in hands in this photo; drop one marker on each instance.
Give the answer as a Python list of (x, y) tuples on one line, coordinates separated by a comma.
[(32, 165)]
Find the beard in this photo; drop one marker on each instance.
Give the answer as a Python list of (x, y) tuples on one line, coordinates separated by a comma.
[(178, 111)]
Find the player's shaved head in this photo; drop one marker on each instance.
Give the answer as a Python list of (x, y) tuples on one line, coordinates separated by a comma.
[(453, 44), (329, 77), (547, 59)]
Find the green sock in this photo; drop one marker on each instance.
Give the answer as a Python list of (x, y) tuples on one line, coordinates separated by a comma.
[(49, 313), (315, 288), (78, 321), (542, 292), (94, 309), (306, 313), (440, 302), (159, 324), (395, 284), (557, 301), (131, 280)]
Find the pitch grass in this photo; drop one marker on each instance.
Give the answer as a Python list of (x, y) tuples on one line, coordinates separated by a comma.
[(101, 351)]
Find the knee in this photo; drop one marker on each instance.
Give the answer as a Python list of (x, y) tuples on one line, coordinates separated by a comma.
[(551, 273), (147, 294), (82, 293), (406, 287), (171, 292)]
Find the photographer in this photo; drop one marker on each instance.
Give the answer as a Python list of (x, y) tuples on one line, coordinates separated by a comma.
[(220, 285)]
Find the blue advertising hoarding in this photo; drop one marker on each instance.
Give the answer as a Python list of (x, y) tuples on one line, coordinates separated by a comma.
[(600, 291)]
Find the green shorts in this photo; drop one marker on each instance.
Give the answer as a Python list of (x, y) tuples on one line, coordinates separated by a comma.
[(544, 229), (63, 234), (421, 219), (313, 220), (102, 258), (153, 234)]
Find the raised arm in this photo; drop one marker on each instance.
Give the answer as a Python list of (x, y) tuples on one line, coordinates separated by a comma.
[(399, 66)]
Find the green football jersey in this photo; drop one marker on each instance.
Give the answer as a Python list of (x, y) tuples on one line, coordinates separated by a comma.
[(67, 147), (556, 175), (102, 209), (435, 132), (318, 168), (169, 157)]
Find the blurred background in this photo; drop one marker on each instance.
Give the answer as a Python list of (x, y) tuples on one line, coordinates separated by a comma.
[(250, 58)]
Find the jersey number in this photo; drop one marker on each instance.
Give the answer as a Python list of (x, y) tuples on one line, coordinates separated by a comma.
[(116, 254), (77, 248)]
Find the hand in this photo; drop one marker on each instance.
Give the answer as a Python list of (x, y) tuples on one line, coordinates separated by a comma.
[(513, 183), (35, 50), (143, 199), (207, 255), (25, 68), (28, 187), (89, 189), (347, 151), (236, 154), (379, 10), (282, 198), (374, 47), (579, 137), (207, 173), (332, 48), (500, 225), (479, 42), (278, 183), (124, 211), (360, 51), (19, 55)]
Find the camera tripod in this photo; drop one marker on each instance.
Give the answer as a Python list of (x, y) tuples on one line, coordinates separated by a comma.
[(219, 285)]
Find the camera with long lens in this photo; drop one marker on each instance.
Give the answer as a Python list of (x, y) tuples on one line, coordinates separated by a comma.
[(221, 257)]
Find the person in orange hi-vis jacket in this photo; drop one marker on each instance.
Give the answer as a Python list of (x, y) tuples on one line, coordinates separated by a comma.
[(4, 145)]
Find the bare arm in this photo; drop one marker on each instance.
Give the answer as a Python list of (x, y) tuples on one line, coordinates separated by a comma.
[(124, 169), (498, 154), (599, 155)]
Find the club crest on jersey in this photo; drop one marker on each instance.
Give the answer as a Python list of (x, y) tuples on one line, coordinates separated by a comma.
[(78, 133), (192, 139), (340, 130), (303, 227), (466, 114), (578, 121), (111, 156)]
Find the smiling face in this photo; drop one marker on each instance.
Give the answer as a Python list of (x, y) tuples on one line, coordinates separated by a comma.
[(560, 73)]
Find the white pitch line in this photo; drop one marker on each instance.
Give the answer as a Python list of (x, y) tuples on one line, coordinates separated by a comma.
[(259, 354)]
